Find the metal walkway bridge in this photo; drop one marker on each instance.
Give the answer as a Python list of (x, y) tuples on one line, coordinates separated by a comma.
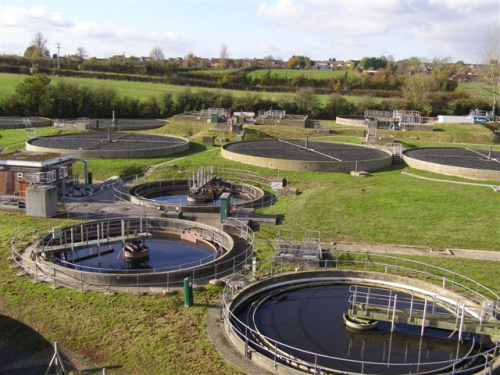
[(459, 316)]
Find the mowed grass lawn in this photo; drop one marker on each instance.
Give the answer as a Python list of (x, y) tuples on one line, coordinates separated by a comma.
[(290, 73), (143, 90), (132, 334), (387, 207)]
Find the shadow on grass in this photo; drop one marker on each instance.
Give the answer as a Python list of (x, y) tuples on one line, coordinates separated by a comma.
[(23, 348)]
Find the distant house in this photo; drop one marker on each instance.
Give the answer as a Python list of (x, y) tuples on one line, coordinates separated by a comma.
[(339, 64), (425, 68), (214, 62), (466, 75), (459, 77), (175, 60), (323, 65), (370, 72)]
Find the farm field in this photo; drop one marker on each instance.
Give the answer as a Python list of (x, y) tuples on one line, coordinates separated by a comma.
[(142, 90), (290, 73), (475, 88)]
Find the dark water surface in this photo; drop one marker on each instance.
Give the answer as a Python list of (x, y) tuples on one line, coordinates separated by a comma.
[(310, 319), (165, 252)]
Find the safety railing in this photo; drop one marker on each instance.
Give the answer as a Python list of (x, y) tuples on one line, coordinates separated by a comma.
[(236, 175), (165, 279), (279, 352)]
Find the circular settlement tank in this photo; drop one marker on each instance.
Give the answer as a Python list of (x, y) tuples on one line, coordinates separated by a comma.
[(170, 194), (301, 155), (92, 253), (117, 145), (166, 253), (298, 321), (478, 164)]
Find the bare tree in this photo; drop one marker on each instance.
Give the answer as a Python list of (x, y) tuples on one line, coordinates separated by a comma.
[(81, 52), (157, 54), (38, 47), (490, 72), (190, 60), (223, 55)]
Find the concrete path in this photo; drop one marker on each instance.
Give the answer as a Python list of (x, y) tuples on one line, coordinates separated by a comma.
[(215, 331), (494, 187)]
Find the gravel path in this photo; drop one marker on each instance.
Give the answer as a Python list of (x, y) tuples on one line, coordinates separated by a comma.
[(316, 151), (457, 157)]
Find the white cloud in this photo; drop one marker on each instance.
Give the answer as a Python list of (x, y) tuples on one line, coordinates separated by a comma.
[(18, 25), (451, 27)]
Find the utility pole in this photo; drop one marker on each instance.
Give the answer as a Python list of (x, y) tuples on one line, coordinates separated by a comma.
[(58, 48), (123, 57)]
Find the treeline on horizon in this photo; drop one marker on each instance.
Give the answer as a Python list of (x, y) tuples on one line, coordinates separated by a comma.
[(384, 84), (36, 96)]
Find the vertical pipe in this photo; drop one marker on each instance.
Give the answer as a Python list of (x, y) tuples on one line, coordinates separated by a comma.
[(393, 325), (422, 331), (389, 303), (72, 245), (411, 307), (460, 331)]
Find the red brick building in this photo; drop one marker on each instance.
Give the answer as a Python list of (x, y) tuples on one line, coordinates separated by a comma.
[(21, 169)]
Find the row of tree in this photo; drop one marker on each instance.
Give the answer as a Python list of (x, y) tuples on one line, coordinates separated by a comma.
[(36, 96)]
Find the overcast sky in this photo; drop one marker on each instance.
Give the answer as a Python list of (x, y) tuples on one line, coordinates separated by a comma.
[(348, 29)]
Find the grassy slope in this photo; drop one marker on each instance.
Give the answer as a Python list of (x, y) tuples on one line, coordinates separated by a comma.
[(477, 89), (132, 332), (15, 139), (388, 207), (142, 90), (290, 73)]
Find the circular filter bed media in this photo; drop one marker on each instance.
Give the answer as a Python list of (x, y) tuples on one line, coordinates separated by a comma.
[(305, 155), (462, 162), (114, 145)]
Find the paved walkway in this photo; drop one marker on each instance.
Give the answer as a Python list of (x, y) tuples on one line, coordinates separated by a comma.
[(494, 187), (215, 331)]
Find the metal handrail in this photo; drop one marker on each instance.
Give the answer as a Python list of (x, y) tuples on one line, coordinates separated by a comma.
[(71, 278), (233, 324)]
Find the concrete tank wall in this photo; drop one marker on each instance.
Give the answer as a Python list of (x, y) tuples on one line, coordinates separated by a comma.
[(315, 166), (455, 119), (12, 122), (116, 154), (351, 120), (474, 174)]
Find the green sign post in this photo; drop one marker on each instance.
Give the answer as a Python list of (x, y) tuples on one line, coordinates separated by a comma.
[(225, 206), (188, 292)]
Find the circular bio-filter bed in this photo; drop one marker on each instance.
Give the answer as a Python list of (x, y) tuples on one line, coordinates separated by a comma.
[(306, 323), (306, 155), (13, 122), (462, 162), (114, 145)]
